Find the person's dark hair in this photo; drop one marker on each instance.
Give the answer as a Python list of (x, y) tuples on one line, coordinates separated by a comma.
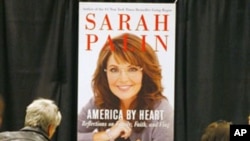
[(217, 131), (128, 48)]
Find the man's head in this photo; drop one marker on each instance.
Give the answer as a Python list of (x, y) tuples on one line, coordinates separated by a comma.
[(43, 113), (217, 131)]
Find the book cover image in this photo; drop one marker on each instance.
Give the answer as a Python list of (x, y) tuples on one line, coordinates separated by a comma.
[(126, 71)]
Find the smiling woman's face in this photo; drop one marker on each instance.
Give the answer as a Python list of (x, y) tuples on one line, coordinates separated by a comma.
[(125, 80)]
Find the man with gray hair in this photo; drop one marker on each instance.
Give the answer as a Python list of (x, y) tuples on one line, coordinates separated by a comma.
[(41, 120)]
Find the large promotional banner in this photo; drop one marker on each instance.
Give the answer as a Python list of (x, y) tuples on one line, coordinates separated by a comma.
[(126, 71)]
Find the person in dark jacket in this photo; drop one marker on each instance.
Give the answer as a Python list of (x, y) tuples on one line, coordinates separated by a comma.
[(41, 120)]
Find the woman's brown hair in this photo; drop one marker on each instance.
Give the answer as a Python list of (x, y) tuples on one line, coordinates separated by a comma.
[(133, 50)]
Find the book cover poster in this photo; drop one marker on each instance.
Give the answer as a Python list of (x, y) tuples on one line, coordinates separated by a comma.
[(126, 71)]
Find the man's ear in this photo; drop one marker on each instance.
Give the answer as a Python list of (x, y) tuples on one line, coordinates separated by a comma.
[(51, 130)]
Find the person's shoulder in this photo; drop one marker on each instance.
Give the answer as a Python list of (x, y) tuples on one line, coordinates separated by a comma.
[(89, 105), (21, 136), (8, 135), (163, 104)]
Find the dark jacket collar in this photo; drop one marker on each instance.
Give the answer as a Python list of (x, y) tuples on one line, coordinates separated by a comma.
[(37, 130)]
